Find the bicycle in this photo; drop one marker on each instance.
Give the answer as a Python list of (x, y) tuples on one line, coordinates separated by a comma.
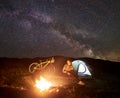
[(41, 65)]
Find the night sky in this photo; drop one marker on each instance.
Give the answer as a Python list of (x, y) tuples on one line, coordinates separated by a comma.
[(75, 28)]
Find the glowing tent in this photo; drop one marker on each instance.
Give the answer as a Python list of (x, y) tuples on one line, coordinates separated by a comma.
[(81, 68)]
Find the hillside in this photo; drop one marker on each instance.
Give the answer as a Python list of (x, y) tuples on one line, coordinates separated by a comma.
[(14, 73)]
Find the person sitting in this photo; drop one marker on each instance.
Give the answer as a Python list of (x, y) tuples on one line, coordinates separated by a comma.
[(78, 69), (67, 68)]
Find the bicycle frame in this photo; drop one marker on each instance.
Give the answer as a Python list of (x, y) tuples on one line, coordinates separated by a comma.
[(41, 65)]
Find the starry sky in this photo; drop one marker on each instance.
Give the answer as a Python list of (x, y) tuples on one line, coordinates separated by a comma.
[(75, 28)]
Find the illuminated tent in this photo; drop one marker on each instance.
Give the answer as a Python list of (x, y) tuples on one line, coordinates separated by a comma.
[(81, 68)]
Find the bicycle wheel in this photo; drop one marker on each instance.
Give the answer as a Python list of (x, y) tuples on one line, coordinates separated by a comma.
[(33, 67)]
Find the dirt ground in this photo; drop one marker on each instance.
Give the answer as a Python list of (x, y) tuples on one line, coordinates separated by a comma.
[(17, 82)]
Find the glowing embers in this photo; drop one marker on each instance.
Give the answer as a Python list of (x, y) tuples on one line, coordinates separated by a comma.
[(42, 84)]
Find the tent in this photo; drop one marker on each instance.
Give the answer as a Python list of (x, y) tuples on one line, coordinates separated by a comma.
[(81, 68)]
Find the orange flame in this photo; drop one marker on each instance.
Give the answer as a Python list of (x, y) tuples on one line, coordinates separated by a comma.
[(42, 84)]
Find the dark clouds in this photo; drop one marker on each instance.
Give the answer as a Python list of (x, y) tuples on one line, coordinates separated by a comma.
[(60, 27)]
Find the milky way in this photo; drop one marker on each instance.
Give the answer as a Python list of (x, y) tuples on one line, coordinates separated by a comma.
[(74, 28)]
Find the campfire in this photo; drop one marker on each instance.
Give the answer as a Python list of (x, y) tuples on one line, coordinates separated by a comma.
[(42, 84)]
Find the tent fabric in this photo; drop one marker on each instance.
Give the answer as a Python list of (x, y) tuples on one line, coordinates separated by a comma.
[(81, 68)]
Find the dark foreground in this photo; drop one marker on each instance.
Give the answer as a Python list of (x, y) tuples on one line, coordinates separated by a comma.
[(16, 82), (80, 92)]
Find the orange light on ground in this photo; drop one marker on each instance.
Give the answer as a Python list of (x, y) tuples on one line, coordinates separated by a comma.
[(81, 83), (42, 84)]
